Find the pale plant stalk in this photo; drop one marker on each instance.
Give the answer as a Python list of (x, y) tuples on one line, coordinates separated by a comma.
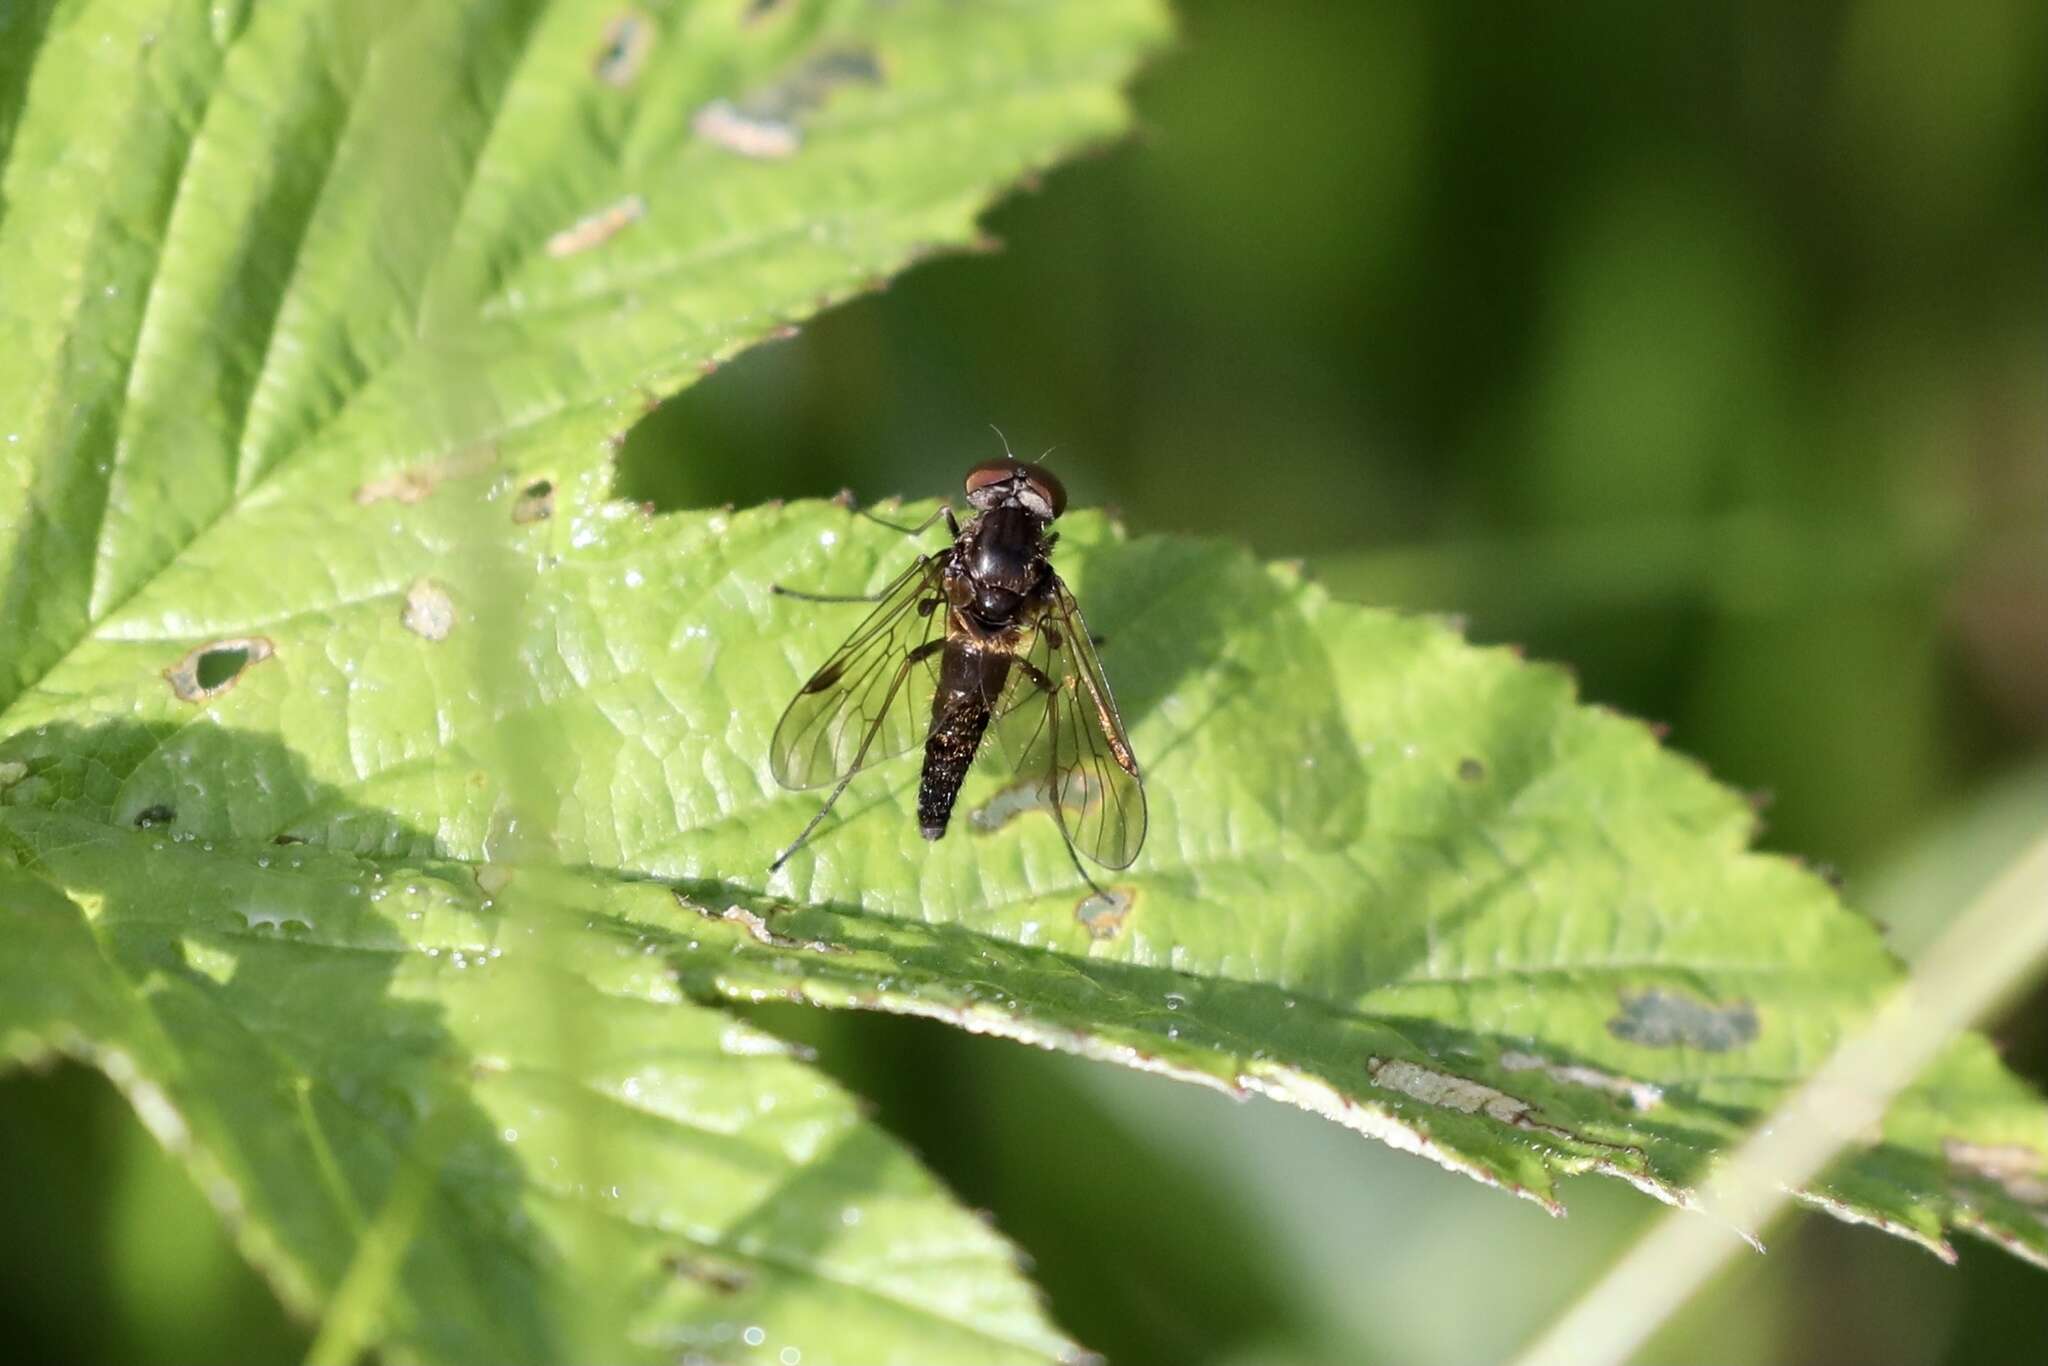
[(1989, 951)]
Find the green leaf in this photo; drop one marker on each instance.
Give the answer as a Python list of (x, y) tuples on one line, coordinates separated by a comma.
[(310, 417), (451, 1112), (317, 324), (1393, 878)]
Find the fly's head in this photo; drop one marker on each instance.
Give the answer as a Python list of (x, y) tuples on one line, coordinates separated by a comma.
[(1008, 483)]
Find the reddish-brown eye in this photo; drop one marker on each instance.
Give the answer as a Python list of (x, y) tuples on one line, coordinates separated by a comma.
[(1041, 481), (989, 473)]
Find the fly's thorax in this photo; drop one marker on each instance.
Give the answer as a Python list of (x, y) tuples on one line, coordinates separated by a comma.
[(1005, 549)]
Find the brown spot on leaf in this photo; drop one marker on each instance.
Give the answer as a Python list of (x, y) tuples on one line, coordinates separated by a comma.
[(215, 667), (1471, 770), (2022, 1172), (710, 1272), (596, 229), (1103, 915), (152, 816), (414, 484), (1667, 1019)]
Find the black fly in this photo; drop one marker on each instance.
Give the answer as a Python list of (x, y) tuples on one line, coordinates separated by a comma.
[(981, 634)]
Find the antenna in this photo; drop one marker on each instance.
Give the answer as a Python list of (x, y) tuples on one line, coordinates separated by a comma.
[(1000, 437), (1048, 454)]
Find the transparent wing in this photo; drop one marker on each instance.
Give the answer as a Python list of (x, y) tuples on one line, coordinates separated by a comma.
[(1060, 727), (872, 700)]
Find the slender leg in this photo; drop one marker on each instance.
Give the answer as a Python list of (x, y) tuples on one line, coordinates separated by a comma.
[(944, 510), (1035, 674), (802, 596), (783, 857), (1093, 886)]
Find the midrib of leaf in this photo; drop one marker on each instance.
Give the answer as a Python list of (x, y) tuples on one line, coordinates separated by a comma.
[(87, 467), (244, 489)]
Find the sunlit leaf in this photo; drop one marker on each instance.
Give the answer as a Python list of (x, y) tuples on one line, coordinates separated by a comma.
[(317, 324), (384, 808)]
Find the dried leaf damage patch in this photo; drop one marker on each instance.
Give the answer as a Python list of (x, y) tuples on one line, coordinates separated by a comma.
[(1103, 916), (766, 125), (1666, 1019), (628, 38), (2018, 1170), (1639, 1095), (429, 611), (1458, 1093), (596, 229)]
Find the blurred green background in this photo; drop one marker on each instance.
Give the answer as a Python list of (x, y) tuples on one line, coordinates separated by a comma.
[(1702, 347)]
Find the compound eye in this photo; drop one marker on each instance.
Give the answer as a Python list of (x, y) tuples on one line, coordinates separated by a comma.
[(1040, 481), (985, 479)]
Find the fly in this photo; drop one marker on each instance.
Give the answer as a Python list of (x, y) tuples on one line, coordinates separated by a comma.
[(982, 635)]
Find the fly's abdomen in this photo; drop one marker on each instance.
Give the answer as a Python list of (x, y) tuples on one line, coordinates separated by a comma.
[(948, 754), (969, 681)]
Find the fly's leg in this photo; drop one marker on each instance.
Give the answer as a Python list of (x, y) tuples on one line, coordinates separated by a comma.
[(805, 836), (846, 500), (915, 657), (945, 510), (1094, 887), (1034, 673), (801, 596)]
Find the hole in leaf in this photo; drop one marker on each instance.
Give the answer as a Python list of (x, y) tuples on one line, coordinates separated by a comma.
[(627, 41), (218, 667), (213, 668), (536, 502)]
